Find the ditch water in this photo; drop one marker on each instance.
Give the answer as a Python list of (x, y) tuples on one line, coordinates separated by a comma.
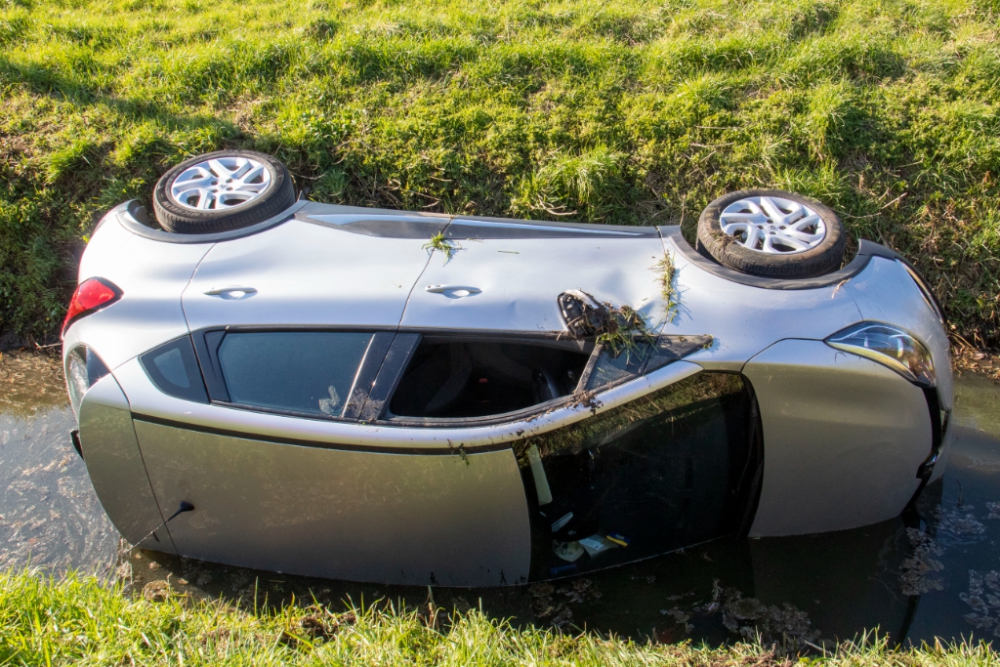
[(936, 574)]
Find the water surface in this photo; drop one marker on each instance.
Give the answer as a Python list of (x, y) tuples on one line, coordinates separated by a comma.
[(49, 514)]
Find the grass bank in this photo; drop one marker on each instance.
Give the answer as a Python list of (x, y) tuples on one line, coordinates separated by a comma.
[(638, 111), (78, 621)]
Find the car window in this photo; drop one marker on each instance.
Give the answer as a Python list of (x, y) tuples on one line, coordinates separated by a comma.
[(174, 370), (308, 372), (612, 368), (453, 379)]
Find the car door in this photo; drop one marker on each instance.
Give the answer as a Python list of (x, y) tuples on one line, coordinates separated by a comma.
[(276, 475), (329, 266), (506, 275), (625, 464)]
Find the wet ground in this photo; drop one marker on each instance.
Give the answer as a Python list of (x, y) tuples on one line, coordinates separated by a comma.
[(932, 574)]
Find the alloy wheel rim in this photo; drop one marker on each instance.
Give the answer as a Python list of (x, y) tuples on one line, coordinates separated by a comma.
[(222, 183), (773, 225)]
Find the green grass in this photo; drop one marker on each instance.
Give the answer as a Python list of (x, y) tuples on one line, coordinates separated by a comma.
[(439, 242), (638, 111), (76, 621)]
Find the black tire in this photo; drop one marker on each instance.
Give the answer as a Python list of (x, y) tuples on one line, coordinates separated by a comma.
[(173, 217), (824, 258)]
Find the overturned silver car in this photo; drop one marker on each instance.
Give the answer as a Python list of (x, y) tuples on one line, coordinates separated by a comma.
[(415, 398)]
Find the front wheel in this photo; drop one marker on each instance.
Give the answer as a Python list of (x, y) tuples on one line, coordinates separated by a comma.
[(773, 234), (220, 191)]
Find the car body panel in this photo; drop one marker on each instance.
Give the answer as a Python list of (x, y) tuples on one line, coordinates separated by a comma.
[(299, 269), (744, 319), (116, 468), (513, 282), (885, 292), (151, 275), (406, 519), (843, 439)]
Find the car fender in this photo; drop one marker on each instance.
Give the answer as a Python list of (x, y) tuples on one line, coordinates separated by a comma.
[(843, 439)]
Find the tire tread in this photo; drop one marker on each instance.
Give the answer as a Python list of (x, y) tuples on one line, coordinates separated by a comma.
[(178, 220), (714, 243)]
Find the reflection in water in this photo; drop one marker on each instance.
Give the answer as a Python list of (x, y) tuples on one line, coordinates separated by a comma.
[(931, 573), (30, 383), (978, 401), (49, 514)]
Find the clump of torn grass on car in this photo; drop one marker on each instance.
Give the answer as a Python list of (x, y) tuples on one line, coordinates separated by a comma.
[(77, 620), (440, 243), (640, 112)]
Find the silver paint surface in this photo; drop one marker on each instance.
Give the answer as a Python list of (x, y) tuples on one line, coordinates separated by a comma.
[(306, 274), (116, 467), (519, 279), (843, 438), (744, 319), (151, 275), (389, 518), (300, 273)]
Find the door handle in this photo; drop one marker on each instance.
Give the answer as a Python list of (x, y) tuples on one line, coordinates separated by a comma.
[(232, 293), (453, 291)]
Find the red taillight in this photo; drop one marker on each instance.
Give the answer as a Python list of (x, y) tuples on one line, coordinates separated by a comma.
[(90, 295)]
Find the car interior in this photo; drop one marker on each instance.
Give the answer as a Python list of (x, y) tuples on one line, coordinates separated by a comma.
[(449, 378), (672, 469)]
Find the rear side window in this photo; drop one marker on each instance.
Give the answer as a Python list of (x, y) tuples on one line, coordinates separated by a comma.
[(307, 372), (174, 370)]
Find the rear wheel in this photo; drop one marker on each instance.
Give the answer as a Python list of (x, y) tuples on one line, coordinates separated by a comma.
[(220, 191), (772, 233)]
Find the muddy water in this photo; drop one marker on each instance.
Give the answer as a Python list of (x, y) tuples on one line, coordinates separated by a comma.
[(935, 573), (49, 514)]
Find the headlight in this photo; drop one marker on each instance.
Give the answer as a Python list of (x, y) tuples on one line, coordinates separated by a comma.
[(889, 346)]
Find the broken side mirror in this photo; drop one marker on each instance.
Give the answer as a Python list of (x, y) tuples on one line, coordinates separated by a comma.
[(583, 314)]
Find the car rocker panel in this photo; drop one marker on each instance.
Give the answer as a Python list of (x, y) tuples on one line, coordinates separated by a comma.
[(398, 397)]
